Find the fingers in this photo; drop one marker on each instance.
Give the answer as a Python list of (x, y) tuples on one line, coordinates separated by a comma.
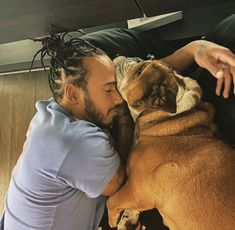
[(224, 79), (227, 82), (225, 57), (220, 62), (232, 70), (219, 85), (226, 60), (219, 74)]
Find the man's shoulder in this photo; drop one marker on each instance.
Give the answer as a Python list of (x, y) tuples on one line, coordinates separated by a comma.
[(53, 118)]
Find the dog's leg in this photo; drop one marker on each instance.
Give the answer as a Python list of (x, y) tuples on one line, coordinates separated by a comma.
[(123, 199)]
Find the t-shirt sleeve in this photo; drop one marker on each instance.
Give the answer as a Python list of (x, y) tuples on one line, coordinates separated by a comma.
[(90, 164)]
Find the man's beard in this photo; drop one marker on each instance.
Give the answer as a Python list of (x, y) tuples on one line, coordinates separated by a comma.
[(92, 114)]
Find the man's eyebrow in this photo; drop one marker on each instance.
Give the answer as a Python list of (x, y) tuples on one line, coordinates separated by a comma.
[(110, 83)]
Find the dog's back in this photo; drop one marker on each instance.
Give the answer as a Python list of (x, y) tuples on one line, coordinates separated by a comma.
[(179, 164), (192, 171)]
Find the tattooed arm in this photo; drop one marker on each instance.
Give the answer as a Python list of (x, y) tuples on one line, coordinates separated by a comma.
[(218, 60)]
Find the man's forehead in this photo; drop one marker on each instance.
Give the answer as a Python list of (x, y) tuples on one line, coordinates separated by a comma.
[(101, 60)]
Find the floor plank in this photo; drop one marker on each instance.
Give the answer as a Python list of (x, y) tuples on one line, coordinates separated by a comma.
[(7, 126), (18, 94)]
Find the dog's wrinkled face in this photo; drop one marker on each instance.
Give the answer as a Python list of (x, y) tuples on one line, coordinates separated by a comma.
[(157, 87), (149, 85), (154, 85)]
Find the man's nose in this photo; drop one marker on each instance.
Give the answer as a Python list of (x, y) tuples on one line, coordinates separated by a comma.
[(117, 98)]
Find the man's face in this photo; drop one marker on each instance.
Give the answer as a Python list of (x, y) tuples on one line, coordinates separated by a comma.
[(101, 98)]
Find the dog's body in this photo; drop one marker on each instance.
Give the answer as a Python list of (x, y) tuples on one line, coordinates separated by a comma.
[(178, 164)]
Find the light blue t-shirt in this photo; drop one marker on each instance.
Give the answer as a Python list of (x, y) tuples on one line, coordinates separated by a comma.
[(59, 177)]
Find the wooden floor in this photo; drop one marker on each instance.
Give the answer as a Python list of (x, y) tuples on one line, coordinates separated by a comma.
[(18, 94)]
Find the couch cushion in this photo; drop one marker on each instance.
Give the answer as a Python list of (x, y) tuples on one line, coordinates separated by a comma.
[(119, 41)]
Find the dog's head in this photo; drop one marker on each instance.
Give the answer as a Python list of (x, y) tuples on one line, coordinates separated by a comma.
[(154, 85)]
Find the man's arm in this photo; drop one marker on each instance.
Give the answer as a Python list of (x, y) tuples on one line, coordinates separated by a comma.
[(218, 60), (123, 130), (182, 58), (116, 182)]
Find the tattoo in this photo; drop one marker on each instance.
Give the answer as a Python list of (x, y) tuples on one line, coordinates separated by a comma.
[(201, 53)]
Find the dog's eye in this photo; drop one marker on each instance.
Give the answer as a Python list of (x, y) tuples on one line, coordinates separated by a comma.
[(140, 70)]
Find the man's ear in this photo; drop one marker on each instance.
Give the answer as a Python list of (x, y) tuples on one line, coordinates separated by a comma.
[(72, 93)]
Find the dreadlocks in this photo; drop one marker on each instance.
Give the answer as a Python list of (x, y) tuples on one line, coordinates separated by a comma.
[(65, 61)]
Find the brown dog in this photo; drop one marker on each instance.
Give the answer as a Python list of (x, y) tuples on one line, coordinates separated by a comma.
[(178, 164)]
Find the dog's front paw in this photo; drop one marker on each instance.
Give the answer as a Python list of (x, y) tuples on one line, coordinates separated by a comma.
[(114, 219), (129, 220), (114, 213)]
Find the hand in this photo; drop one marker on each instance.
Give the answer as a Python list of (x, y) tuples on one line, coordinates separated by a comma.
[(220, 62)]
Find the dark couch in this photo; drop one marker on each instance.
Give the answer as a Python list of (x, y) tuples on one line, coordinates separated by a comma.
[(132, 43)]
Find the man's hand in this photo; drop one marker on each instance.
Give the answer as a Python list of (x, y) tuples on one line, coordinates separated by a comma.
[(220, 62)]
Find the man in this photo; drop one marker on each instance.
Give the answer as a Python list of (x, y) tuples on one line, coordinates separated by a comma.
[(69, 163)]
